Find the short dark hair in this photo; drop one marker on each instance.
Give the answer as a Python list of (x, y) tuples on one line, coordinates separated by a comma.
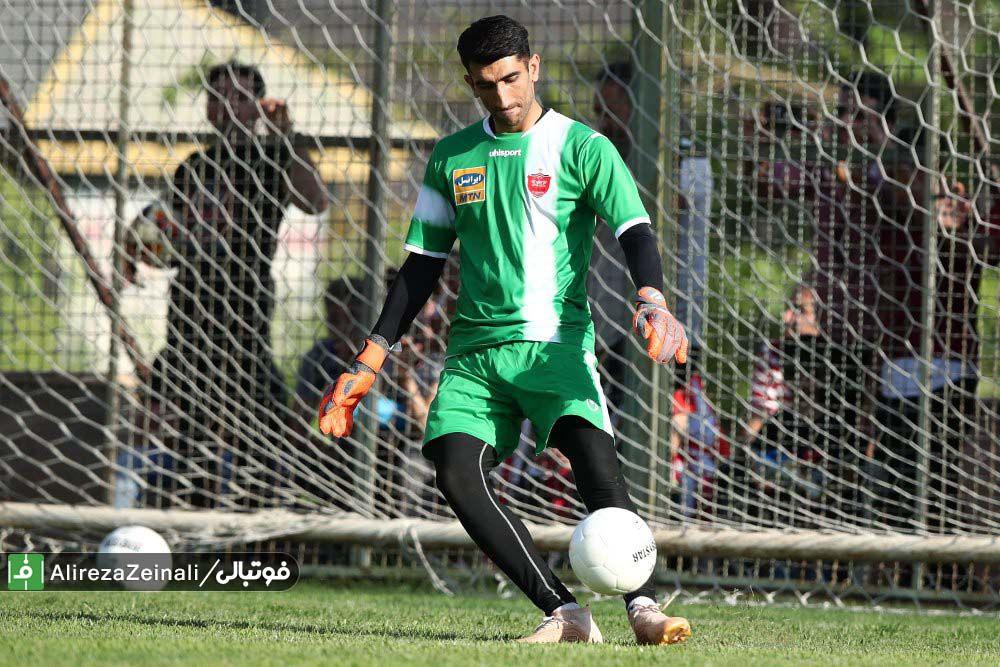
[(617, 72), (235, 70), (340, 293), (877, 86), (912, 137), (492, 38)]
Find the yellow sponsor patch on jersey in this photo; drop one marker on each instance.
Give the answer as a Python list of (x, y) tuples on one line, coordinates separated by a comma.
[(469, 184)]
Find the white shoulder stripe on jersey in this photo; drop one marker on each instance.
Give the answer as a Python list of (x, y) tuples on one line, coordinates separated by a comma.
[(433, 208), (629, 224), (420, 251)]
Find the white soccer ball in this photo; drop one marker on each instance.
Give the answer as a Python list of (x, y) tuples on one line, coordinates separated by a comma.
[(612, 551), (126, 541)]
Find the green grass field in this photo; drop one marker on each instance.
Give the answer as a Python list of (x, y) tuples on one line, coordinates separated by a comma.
[(319, 623)]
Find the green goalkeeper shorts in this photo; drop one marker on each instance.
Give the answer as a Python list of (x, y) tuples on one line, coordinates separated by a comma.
[(487, 393)]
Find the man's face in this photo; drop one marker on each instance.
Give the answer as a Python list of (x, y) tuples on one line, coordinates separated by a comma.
[(800, 319), (864, 119), (613, 111), (506, 88), (232, 104)]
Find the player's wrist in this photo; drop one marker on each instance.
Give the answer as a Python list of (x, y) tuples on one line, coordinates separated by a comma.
[(373, 353), (651, 295)]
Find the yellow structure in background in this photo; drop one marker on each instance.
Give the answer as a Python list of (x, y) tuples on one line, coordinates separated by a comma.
[(152, 160), (173, 42)]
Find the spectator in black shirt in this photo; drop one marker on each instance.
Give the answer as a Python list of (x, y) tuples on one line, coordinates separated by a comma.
[(216, 374)]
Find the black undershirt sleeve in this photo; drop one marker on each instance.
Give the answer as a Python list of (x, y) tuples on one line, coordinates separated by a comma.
[(642, 256), (414, 284)]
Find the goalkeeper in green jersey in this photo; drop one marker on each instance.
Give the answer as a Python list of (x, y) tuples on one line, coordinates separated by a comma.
[(521, 191)]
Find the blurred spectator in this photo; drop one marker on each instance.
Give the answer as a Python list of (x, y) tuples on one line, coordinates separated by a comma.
[(426, 343), (842, 185), (769, 393), (789, 434), (541, 486), (430, 328), (411, 380), (698, 446), (613, 108), (555, 474), (400, 405), (963, 248), (841, 193), (327, 478), (216, 376), (609, 287), (329, 356)]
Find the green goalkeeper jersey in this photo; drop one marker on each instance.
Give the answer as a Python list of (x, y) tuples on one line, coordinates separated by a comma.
[(523, 207)]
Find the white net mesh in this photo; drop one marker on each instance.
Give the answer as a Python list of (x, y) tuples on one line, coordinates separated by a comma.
[(820, 175)]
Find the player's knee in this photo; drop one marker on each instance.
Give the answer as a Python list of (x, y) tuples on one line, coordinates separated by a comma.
[(592, 455)]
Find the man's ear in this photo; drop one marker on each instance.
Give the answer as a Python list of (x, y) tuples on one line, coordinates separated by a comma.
[(534, 65)]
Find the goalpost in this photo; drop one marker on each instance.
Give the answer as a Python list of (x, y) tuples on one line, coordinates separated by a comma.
[(761, 456)]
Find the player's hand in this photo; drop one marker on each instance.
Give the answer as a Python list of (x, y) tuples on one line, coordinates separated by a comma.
[(279, 119), (130, 268), (336, 410), (664, 335), (953, 208)]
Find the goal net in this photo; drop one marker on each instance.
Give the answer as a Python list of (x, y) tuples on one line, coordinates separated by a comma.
[(819, 174)]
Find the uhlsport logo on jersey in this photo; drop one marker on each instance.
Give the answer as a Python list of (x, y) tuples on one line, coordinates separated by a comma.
[(538, 183), (470, 185)]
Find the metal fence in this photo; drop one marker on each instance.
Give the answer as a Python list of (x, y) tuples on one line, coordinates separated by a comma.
[(820, 175)]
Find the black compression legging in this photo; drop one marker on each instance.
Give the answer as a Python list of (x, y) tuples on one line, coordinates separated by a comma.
[(463, 462)]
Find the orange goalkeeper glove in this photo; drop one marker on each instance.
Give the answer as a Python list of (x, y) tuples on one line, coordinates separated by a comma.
[(664, 335), (336, 410)]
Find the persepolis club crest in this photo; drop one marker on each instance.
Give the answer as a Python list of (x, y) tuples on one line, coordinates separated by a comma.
[(538, 183)]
